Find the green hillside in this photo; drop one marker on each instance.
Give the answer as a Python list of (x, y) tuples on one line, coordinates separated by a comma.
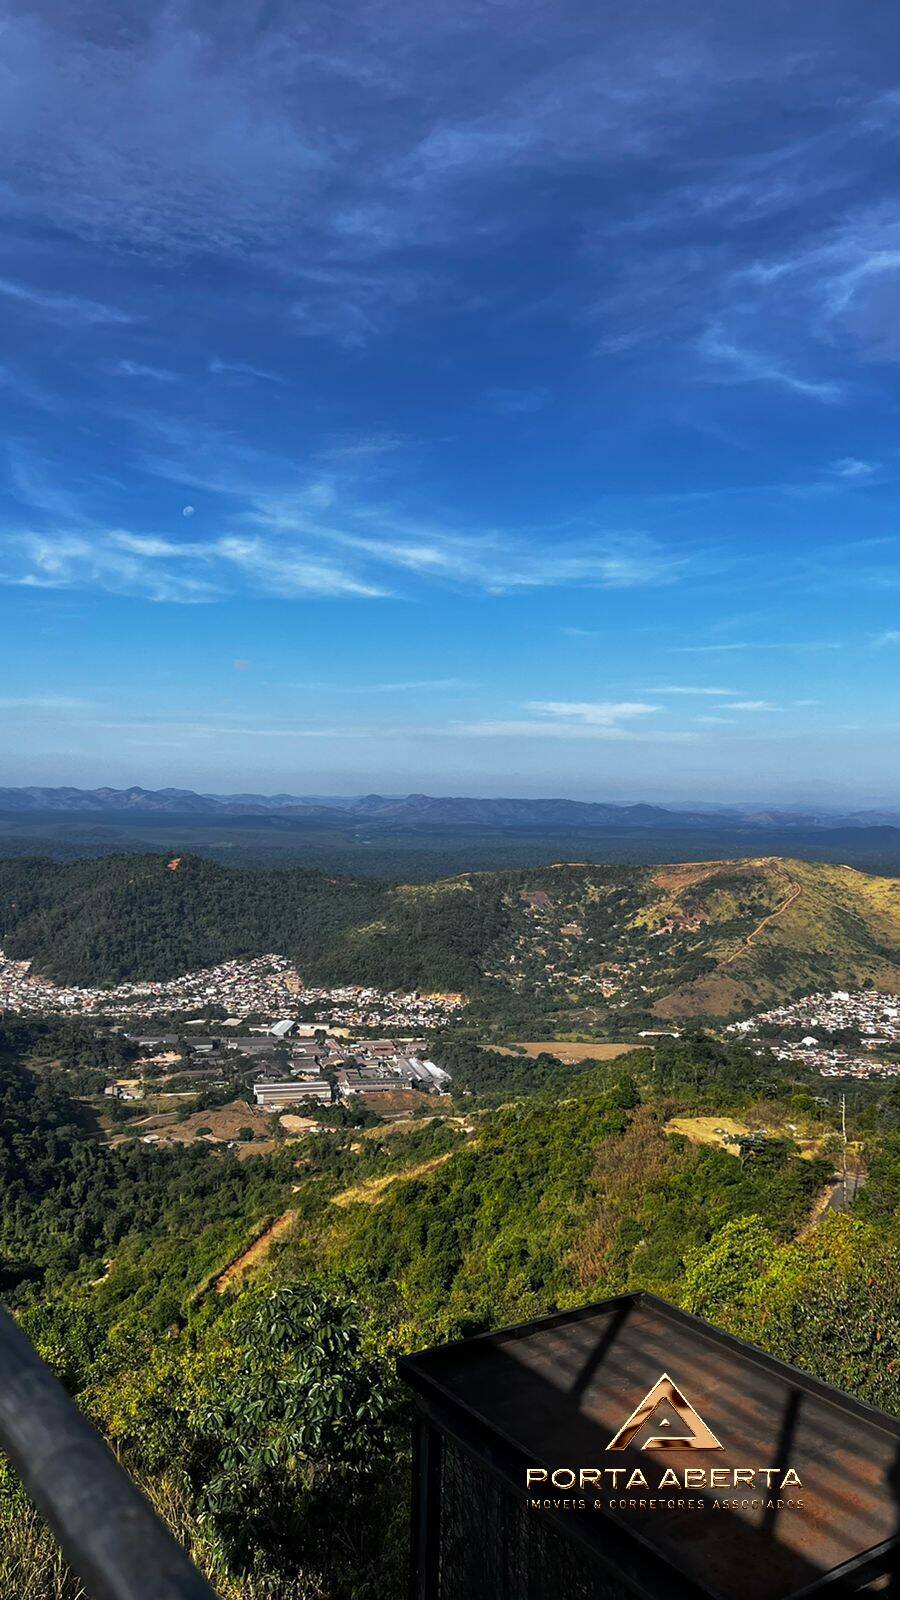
[(582, 945), (265, 1421)]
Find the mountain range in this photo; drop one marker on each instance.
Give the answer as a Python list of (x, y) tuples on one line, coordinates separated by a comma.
[(424, 812)]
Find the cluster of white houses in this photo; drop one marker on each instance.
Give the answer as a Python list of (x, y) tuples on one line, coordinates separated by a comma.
[(262, 986), (243, 988), (808, 1033)]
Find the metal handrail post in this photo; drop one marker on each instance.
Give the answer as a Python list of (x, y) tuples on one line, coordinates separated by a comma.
[(108, 1532)]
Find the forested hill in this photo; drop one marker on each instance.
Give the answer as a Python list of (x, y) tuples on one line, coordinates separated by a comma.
[(133, 916), (698, 938)]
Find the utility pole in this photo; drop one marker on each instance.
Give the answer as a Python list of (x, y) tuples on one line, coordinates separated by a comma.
[(844, 1150)]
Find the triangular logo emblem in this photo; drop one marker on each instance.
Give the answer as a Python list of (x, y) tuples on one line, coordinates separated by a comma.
[(666, 1393)]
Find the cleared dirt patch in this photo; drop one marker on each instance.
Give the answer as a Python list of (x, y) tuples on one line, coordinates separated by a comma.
[(291, 1123), (396, 1102), (686, 874), (571, 1054), (254, 1253), (223, 1124), (372, 1190)]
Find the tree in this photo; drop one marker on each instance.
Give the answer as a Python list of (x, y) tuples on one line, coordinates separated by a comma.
[(293, 1439), (719, 1276)]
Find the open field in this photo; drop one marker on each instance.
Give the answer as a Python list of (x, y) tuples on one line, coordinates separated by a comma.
[(398, 1103), (571, 1054), (385, 1130), (297, 1126), (708, 1130), (712, 1130)]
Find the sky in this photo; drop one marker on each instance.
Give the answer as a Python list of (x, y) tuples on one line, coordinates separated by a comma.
[(490, 398)]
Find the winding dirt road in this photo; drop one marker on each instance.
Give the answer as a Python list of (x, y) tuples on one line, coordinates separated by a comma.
[(772, 917)]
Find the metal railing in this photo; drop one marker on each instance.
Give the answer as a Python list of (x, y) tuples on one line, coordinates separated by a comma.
[(108, 1532)]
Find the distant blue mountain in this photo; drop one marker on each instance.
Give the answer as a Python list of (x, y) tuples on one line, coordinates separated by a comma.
[(424, 812)]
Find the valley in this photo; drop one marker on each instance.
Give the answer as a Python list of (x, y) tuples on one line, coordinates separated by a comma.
[(262, 1131)]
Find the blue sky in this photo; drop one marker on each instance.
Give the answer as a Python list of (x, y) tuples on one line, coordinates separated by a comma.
[(494, 399)]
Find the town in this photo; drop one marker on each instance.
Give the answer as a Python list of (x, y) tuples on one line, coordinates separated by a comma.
[(236, 1045), (264, 986), (841, 1034)]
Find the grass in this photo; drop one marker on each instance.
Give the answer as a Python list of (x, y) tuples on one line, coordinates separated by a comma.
[(708, 1130), (712, 1131), (571, 1054), (371, 1190), (32, 1566)]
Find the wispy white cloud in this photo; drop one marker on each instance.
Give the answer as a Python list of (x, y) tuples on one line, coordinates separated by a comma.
[(325, 538), (214, 728), (242, 371), (852, 470), (34, 484), (312, 559), (410, 686), (596, 713), (137, 369), (737, 363), (268, 567), (845, 277), (413, 685), (351, 306), (43, 702), (564, 729), (760, 644), (578, 720), (21, 386), (692, 689), (289, 574), (335, 159), (80, 561), (65, 308), (751, 705)]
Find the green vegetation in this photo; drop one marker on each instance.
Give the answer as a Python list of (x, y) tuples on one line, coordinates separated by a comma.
[(420, 855), (132, 917), (558, 948), (254, 1398)]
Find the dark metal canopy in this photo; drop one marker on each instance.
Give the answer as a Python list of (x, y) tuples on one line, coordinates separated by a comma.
[(554, 1393)]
